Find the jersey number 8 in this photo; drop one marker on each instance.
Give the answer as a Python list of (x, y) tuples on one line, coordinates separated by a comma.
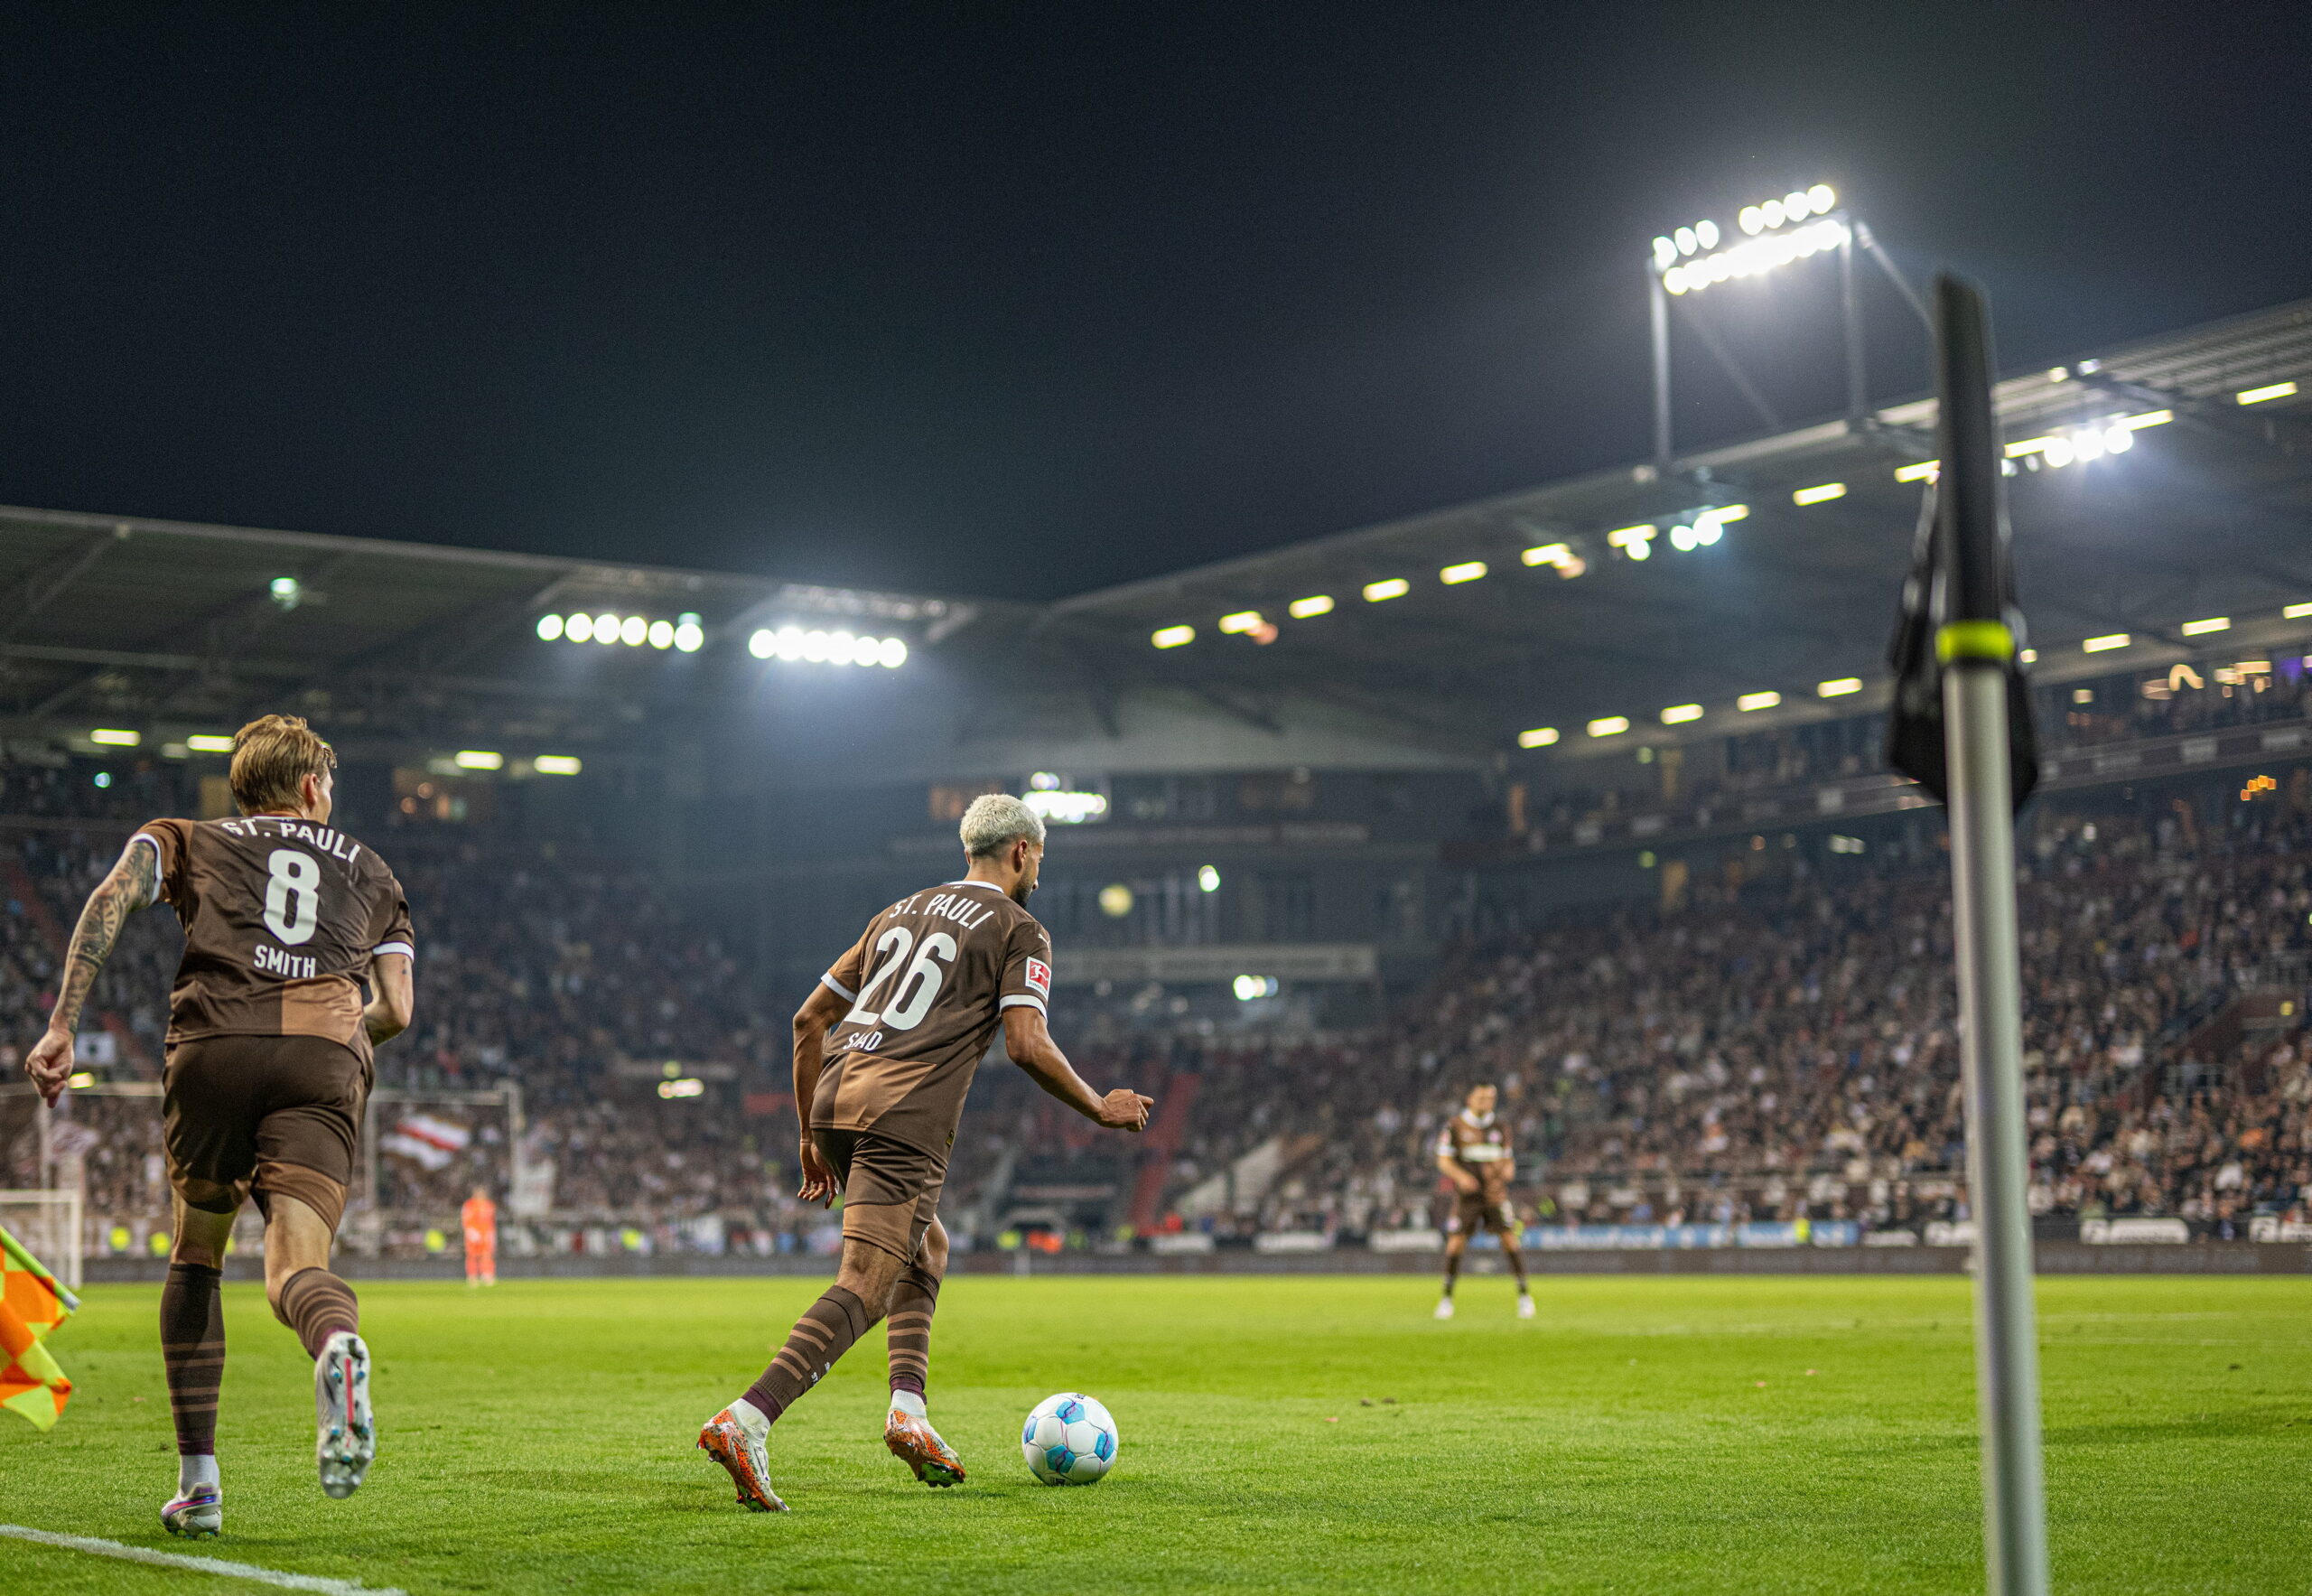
[(917, 990), (293, 895)]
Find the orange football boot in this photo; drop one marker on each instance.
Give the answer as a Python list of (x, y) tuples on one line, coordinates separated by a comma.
[(916, 1445), (726, 1441)]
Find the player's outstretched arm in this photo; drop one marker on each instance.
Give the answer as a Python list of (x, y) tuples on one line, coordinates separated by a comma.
[(1029, 1040), (818, 1014), (392, 1000), (131, 884)]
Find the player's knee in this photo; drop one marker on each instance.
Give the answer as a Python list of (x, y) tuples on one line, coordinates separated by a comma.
[(931, 1257)]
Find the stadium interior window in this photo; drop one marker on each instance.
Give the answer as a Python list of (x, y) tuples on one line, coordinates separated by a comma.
[(1291, 792), (1288, 903)]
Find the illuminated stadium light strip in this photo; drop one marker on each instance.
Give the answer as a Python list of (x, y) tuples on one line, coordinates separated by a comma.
[(115, 737), (1307, 609), (1822, 493), (1539, 737), (479, 758), (2296, 611), (209, 742), (2257, 396), (1636, 542), (2195, 629), (2104, 645), (1796, 205), (684, 634), (1243, 620), (1759, 254), (556, 764), (1612, 726), (1558, 556), (1678, 714), (1922, 471), (1467, 571), (1387, 588), (1748, 702), (1173, 636), (1839, 686), (792, 643)]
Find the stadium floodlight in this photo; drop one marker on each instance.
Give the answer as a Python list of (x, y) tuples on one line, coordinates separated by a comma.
[(478, 758), (549, 627), (1116, 900), (2195, 629), (1821, 493), (690, 637), (1749, 701), (1636, 542), (1172, 637), (763, 644), (1839, 686), (1539, 737), (1558, 556), (634, 631), (1387, 588), (662, 634), (209, 742), (2296, 612), (2258, 395), (115, 737), (1612, 726), (2106, 643), (578, 629), (1922, 471), (1308, 608), (1241, 621), (1467, 571), (1208, 878), (606, 628), (1678, 714), (286, 592), (556, 764), (892, 654)]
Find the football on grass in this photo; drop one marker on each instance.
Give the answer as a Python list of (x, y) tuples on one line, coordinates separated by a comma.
[(1069, 1440)]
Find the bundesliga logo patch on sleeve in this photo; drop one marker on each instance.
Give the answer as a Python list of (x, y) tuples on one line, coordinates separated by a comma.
[(1040, 977)]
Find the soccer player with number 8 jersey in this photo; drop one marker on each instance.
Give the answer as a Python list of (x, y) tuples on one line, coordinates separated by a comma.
[(268, 1070), (885, 1048)]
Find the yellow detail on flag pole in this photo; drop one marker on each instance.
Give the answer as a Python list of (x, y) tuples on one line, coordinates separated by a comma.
[(31, 1304)]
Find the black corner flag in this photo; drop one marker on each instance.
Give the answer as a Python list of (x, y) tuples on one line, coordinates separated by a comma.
[(1959, 600)]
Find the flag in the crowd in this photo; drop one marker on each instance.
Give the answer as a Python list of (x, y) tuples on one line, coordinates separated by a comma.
[(433, 1142), (31, 1304)]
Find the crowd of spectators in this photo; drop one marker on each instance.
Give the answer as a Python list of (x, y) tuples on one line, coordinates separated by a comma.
[(1787, 1050)]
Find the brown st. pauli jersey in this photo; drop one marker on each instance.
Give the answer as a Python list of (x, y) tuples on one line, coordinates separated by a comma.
[(927, 983), (281, 917), (1481, 1146)]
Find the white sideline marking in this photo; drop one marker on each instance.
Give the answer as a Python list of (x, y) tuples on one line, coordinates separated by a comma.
[(238, 1570)]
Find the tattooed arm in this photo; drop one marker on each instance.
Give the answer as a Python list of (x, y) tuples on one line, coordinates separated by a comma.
[(133, 882)]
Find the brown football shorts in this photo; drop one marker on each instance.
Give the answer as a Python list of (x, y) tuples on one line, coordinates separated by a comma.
[(891, 1191), (1474, 1211), (268, 1115)]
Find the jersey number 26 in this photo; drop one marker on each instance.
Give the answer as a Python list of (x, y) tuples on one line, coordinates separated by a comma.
[(917, 990)]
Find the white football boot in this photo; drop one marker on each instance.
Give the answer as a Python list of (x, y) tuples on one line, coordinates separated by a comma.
[(197, 1513), (1444, 1308), (346, 1437), (734, 1438), (1524, 1305)]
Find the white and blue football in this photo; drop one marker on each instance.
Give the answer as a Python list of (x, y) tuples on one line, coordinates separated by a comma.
[(1069, 1440)]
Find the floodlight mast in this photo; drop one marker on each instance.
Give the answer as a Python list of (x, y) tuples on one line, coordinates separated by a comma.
[(1669, 274)]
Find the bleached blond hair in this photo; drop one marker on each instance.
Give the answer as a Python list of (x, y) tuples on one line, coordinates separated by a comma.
[(996, 820)]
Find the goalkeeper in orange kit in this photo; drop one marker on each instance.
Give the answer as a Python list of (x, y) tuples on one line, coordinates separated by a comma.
[(480, 1220)]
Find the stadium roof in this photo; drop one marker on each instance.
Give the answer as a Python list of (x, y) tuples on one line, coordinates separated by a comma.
[(2203, 514), (171, 627)]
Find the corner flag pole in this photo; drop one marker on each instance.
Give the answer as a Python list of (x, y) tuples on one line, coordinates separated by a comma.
[(1975, 646)]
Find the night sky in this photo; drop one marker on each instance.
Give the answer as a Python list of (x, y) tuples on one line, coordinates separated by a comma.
[(1028, 299)]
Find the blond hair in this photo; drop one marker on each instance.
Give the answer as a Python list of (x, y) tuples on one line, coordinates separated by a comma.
[(996, 820), (272, 756)]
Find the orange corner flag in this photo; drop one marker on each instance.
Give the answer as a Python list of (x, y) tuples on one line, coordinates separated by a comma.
[(31, 1304)]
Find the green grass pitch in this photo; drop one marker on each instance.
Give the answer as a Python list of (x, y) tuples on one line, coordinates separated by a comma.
[(1657, 1434)]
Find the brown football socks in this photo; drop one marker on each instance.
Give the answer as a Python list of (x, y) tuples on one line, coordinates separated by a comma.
[(914, 1298), (317, 1304), (1453, 1270), (193, 1353), (1517, 1262), (825, 1334)]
